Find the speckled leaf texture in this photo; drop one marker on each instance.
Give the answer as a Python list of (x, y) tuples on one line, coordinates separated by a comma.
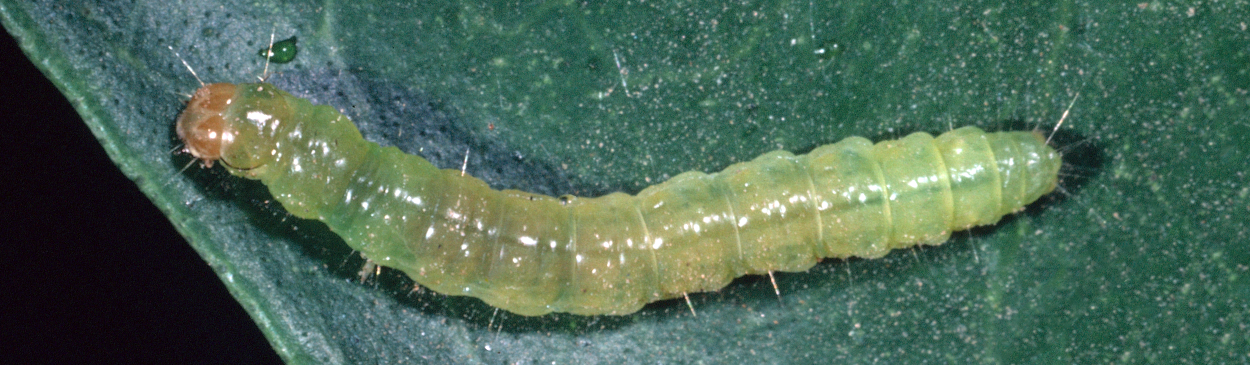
[(1141, 257)]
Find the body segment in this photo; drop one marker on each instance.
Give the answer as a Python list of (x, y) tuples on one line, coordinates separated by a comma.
[(533, 254)]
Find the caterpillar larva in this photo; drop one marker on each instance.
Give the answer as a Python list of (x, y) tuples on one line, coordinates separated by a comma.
[(533, 254)]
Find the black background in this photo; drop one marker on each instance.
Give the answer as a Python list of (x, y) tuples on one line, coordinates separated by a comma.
[(92, 271)]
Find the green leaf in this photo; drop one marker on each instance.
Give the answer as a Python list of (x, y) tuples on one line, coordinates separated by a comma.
[(1142, 258)]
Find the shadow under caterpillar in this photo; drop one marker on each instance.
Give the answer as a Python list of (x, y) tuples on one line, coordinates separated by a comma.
[(533, 254)]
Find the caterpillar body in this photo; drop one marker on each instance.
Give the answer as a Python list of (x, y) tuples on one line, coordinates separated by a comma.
[(533, 254)]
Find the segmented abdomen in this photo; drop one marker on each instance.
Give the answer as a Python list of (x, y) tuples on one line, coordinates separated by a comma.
[(533, 254)]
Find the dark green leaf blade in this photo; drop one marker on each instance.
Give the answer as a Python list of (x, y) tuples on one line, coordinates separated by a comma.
[(1146, 261)]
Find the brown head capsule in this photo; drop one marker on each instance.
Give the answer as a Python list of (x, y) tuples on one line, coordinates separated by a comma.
[(202, 126)]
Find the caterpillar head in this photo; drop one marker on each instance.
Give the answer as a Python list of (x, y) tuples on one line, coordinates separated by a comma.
[(234, 124), (202, 126)]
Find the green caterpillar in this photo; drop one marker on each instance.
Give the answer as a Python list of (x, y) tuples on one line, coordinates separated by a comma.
[(533, 254)]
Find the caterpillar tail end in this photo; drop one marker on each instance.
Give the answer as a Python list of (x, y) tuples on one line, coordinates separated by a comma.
[(1028, 173), (1043, 163)]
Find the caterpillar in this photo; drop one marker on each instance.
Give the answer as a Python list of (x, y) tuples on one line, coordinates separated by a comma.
[(533, 254)]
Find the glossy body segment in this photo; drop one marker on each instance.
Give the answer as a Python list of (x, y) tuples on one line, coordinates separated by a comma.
[(533, 254)]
